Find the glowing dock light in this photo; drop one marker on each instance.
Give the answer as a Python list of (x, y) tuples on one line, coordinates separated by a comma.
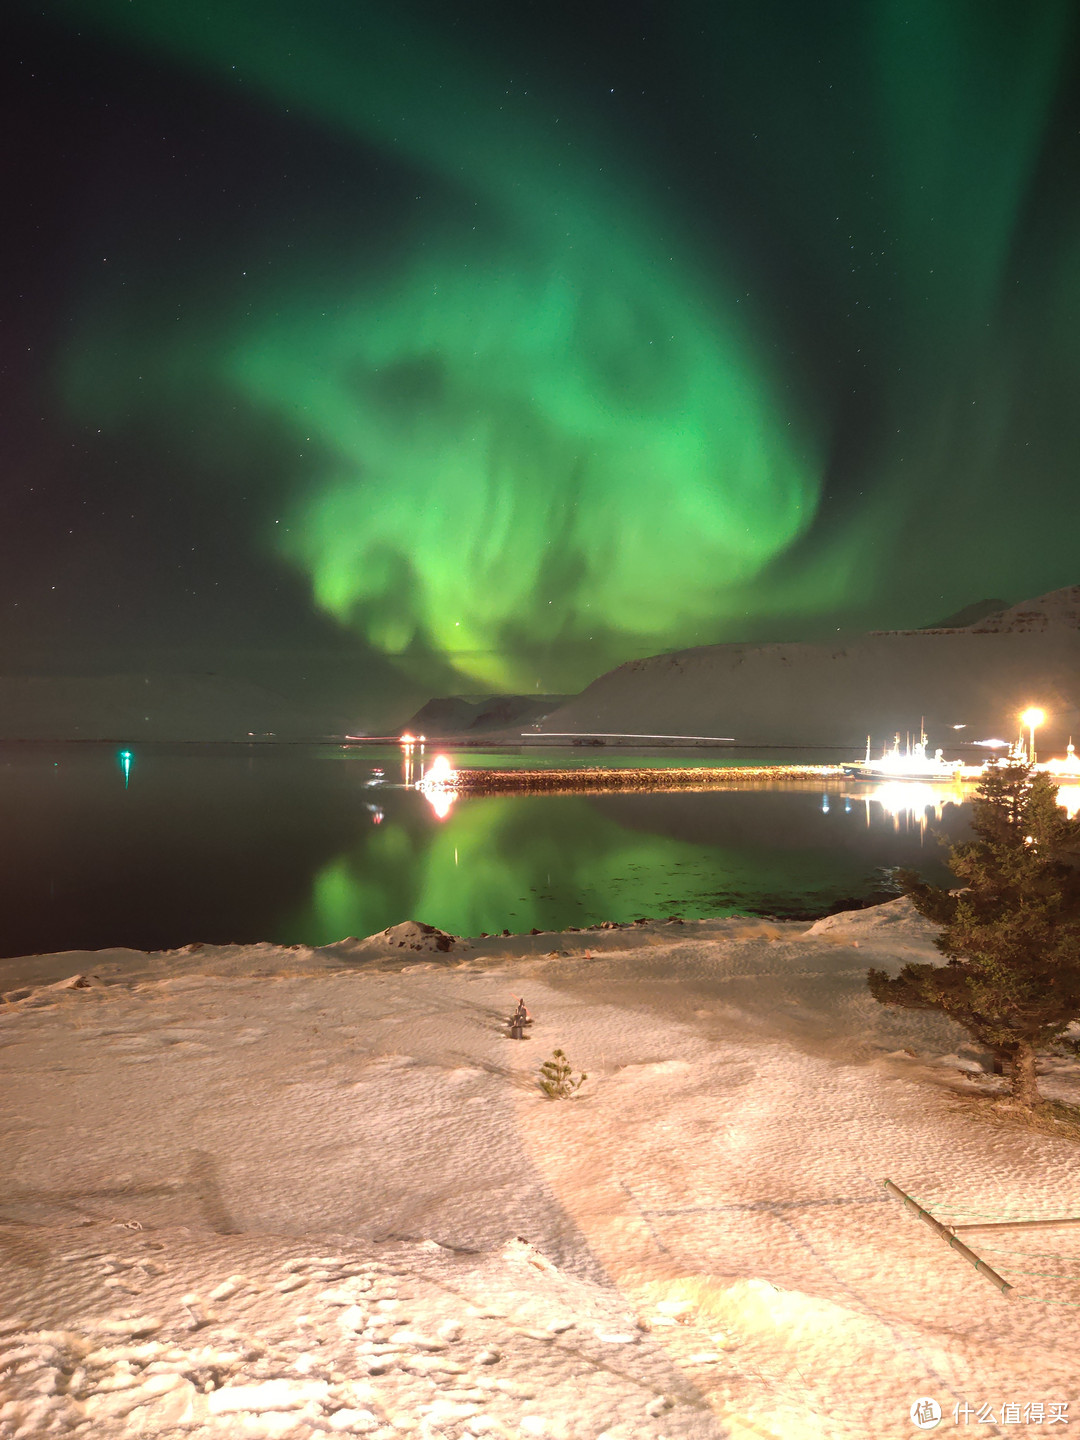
[(1069, 766), (1067, 774), (440, 772), (1033, 717), (408, 744), (126, 757), (437, 786)]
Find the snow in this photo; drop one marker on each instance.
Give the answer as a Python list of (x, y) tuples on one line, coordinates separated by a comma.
[(253, 1191)]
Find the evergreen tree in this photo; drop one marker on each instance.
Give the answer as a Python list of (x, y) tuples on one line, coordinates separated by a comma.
[(1011, 934)]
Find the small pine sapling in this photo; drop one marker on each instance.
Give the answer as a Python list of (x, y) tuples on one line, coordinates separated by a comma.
[(556, 1077)]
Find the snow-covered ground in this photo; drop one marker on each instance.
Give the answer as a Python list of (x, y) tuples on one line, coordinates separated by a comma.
[(249, 1191)]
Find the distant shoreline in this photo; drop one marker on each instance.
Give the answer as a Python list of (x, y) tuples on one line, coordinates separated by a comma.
[(586, 740), (345, 742)]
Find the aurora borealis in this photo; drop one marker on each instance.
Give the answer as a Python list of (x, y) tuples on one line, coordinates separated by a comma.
[(498, 345)]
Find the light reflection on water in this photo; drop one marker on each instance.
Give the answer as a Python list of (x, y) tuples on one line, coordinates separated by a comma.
[(525, 861), (912, 804), (310, 844)]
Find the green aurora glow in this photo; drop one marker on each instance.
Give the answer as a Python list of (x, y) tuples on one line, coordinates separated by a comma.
[(505, 844), (543, 424)]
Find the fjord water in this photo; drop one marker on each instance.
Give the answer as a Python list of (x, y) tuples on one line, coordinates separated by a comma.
[(157, 846)]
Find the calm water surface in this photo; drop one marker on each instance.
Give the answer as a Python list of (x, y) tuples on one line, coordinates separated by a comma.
[(164, 845)]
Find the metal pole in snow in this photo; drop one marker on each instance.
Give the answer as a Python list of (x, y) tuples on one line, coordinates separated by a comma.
[(950, 1238)]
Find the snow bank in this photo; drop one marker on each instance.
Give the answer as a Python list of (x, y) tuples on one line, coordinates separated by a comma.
[(260, 1191)]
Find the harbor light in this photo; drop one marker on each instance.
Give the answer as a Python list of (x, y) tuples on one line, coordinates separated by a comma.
[(437, 786), (1033, 717), (440, 772)]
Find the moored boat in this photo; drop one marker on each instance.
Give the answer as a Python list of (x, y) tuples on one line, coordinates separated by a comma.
[(912, 763)]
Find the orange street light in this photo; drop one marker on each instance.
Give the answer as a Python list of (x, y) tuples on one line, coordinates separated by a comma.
[(1032, 717)]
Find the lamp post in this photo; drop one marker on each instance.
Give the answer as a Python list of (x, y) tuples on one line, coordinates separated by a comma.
[(1032, 718)]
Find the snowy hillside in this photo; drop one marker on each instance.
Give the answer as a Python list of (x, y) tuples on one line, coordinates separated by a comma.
[(979, 677)]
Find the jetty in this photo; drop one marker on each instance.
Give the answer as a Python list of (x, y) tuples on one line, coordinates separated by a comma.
[(631, 777)]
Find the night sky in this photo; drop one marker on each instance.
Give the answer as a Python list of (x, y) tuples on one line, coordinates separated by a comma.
[(489, 345)]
